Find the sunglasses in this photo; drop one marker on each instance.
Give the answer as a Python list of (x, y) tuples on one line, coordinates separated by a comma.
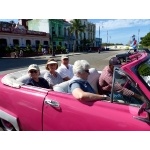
[(33, 71), (87, 71)]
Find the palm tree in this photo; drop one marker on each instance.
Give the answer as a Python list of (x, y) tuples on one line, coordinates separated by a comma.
[(76, 27)]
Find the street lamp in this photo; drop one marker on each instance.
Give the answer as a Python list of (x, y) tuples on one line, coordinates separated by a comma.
[(100, 37)]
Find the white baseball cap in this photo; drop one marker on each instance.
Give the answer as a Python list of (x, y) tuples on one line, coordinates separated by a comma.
[(64, 56), (34, 67)]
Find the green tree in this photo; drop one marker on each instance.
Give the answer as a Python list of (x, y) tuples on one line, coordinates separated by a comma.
[(145, 41), (77, 28), (40, 48)]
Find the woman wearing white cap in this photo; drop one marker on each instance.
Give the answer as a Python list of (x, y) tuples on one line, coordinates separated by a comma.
[(35, 80), (52, 76)]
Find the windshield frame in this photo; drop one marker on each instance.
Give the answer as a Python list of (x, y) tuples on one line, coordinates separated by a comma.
[(135, 70)]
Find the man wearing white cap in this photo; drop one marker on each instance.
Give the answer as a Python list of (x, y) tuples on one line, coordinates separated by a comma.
[(65, 70), (35, 80)]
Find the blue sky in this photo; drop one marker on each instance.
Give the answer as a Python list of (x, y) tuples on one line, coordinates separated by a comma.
[(119, 30)]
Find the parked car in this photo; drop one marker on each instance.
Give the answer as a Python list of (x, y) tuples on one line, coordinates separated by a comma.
[(29, 108)]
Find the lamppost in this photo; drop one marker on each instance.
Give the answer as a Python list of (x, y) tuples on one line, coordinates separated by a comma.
[(100, 37)]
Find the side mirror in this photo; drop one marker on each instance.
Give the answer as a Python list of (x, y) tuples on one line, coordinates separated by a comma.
[(143, 107)]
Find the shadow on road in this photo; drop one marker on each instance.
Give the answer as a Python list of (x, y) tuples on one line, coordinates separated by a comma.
[(16, 63)]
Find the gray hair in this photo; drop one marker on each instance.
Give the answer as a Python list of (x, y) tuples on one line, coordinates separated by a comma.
[(80, 65)]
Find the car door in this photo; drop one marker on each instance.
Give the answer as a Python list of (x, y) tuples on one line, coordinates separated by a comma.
[(62, 112), (25, 104)]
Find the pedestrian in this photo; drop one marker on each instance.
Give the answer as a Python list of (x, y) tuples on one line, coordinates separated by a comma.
[(21, 53)]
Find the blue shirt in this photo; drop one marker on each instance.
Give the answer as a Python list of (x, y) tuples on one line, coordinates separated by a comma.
[(42, 83), (76, 82)]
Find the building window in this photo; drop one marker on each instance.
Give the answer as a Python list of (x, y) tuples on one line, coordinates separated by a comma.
[(54, 45), (45, 42), (15, 42), (28, 42), (59, 30), (60, 43), (37, 42), (3, 43), (53, 31), (64, 31)]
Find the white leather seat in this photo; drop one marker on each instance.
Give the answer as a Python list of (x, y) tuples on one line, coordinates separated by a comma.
[(62, 87), (19, 78), (92, 79)]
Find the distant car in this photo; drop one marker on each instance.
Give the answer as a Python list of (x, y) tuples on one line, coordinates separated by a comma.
[(29, 108)]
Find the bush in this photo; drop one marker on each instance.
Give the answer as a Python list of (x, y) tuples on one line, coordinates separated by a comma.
[(63, 50), (40, 48)]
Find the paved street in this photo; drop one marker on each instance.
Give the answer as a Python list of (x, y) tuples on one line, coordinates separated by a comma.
[(96, 60)]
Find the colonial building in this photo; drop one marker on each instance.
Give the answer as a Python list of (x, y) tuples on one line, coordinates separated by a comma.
[(57, 30), (69, 38), (89, 33), (20, 36)]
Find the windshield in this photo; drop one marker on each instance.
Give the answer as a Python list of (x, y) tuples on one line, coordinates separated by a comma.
[(144, 72)]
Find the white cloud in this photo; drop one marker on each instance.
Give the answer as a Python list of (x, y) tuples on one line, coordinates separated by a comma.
[(121, 23)]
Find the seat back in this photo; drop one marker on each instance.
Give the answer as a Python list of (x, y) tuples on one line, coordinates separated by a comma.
[(92, 79), (62, 87), (26, 77)]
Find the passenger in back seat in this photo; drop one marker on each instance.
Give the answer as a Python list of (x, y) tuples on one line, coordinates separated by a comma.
[(35, 80), (52, 76), (79, 86), (65, 69)]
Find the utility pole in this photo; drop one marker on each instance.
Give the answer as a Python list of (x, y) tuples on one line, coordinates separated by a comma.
[(107, 39), (100, 37)]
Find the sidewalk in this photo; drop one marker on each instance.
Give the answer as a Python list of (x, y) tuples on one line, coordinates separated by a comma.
[(50, 56), (42, 56)]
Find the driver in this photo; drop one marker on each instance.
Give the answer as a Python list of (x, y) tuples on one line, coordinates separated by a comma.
[(105, 81)]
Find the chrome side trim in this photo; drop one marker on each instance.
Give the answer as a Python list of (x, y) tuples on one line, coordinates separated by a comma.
[(9, 118)]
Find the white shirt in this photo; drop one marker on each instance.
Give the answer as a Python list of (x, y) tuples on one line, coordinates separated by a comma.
[(65, 72)]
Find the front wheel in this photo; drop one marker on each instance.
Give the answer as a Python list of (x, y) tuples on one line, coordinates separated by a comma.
[(6, 126)]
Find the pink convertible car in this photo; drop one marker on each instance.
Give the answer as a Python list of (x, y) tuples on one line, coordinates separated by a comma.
[(28, 108)]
